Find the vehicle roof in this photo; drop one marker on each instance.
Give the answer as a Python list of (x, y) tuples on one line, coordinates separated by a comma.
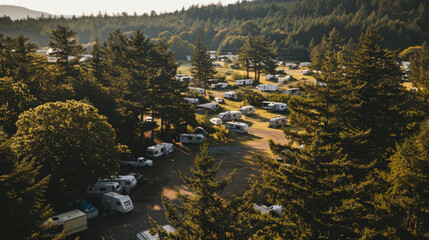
[(148, 236), (67, 215), (238, 123), (160, 145), (104, 184), (116, 195), (250, 106), (192, 134)]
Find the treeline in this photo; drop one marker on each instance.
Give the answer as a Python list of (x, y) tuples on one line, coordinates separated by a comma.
[(295, 27), (356, 169), (66, 123)]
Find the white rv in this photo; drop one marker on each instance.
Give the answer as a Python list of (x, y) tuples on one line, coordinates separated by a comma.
[(274, 106), (216, 121), (160, 150), (306, 72), (237, 127), (199, 90), (117, 202), (100, 188), (267, 87), (293, 91), (230, 115), (278, 121), (243, 82), (270, 77), (70, 222), (192, 100), (247, 110), (221, 85), (185, 79), (146, 235), (210, 106), (230, 95), (191, 138), (127, 182), (305, 64)]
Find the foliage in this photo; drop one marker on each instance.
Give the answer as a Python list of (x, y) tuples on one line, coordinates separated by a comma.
[(202, 65), (181, 48)]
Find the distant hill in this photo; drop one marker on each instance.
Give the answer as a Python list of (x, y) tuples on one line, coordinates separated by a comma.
[(15, 12)]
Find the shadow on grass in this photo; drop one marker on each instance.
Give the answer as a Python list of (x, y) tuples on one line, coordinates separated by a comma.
[(258, 117)]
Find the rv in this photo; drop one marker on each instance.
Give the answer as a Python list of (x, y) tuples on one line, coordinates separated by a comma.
[(127, 182), (237, 127), (247, 110), (198, 90), (269, 77), (274, 106), (219, 85), (146, 235), (230, 115), (230, 95), (243, 82), (216, 121), (69, 223), (159, 150), (305, 64), (178, 76), (293, 91), (117, 202), (306, 72), (191, 138), (278, 122), (100, 188), (185, 79), (267, 87), (192, 100), (211, 106)]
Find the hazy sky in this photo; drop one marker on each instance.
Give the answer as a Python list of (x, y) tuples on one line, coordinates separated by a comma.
[(77, 7)]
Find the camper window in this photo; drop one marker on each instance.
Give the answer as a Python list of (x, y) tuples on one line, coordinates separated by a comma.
[(127, 203)]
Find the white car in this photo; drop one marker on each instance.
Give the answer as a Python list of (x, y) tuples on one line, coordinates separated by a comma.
[(216, 121), (219, 100)]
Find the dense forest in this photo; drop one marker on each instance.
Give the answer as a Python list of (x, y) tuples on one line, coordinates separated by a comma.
[(294, 27)]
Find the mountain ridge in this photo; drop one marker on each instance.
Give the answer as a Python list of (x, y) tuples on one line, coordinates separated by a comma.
[(18, 12)]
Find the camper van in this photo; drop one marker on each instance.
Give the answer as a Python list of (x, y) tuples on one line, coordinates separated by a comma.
[(70, 222), (191, 138), (243, 82), (146, 235), (230, 115), (278, 121), (267, 87), (100, 188), (293, 91), (117, 202), (219, 85), (192, 100), (199, 90), (127, 182), (230, 95), (237, 127), (216, 121), (160, 150), (247, 110)]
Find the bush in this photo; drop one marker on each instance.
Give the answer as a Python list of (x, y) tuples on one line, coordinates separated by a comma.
[(278, 97), (237, 76), (254, 98), (221, 135)]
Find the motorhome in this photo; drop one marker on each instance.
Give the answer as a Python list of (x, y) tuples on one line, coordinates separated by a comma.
[(100, 188), (127, 182), (211, 106), (159, 150), (216, 121), (230, 95), (117, 202), (221, 85), (69, 223), (191, 138), (278, 121), (267, 87), (198, 90), (243, 82), (146, 235), (247, 110), (230, 115), (192, 100), (292, 91), (237, 127)]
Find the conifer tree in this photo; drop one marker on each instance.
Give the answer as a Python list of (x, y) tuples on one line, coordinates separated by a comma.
[(202, 65), (203, 214)]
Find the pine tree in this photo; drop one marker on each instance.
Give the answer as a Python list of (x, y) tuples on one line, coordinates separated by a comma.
[(261, 56), (204, 214), (202, 65)]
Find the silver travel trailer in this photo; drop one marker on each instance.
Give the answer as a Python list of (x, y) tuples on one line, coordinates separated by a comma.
[(244, 82), (127, 182), (274, 106), (306, 72), (199, 90), (191, 138), (230, 95), (160, 150), (230, 115), (221, 85), (192, 100), (267, 87), (69, 223), (247, 110), (237, 127), (278, 121), (185, 79), (292, 91), (100, 188), (117, 202), (211, 106)]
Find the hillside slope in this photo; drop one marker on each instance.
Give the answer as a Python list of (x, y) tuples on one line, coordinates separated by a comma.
[(15, 12)]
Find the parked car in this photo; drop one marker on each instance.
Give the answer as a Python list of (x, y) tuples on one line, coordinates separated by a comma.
[(139, 162)]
